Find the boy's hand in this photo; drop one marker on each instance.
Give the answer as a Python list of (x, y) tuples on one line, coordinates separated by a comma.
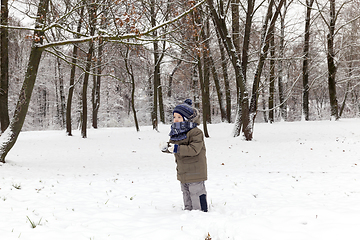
[(163, 146), (170, 148), (173, 148)]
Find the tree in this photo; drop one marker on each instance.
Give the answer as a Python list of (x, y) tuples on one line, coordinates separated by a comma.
[(95, 95), (283, 105), (9, 137), (351, 57), (92, 8), (205, 67), (64, 21), (248, 111), (4, 67), (250, 11), (130, 72), (267, 32), (60, 99), (331, 62), (72, 75), (220, 24), (272, 77), (305, 71), (235, 24), (156, 81), (224, 63)]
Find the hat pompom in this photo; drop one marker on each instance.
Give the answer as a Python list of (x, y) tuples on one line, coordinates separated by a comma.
[(188, 101)]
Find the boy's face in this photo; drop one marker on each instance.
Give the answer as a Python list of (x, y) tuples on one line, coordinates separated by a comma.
[(178, 118)]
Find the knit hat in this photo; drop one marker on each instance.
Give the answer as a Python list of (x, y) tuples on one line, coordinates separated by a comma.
[(186, 110)]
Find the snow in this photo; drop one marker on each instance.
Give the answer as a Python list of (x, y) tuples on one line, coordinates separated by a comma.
[(298, 181)]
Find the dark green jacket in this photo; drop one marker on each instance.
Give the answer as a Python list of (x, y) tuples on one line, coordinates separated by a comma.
[(191, 157)]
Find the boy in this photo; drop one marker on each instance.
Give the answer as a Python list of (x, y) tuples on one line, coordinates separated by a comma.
[(188, 146)]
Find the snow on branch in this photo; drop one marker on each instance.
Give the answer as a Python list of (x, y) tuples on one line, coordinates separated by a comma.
[(106, 36)]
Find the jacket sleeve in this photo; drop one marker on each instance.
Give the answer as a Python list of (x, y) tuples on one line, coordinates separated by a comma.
[(196, 142)]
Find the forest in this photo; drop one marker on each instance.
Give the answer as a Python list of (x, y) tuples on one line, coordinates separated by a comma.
[(111, 63)]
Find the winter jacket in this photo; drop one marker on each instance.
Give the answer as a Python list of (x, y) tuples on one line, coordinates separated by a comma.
[(191, 157)]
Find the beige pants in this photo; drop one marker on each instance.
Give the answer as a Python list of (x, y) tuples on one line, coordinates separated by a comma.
[(194, 195)]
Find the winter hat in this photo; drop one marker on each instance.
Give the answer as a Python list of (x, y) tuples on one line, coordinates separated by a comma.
[(187, 111)]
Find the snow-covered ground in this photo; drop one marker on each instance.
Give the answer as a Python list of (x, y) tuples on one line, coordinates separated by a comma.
[(294, 181)]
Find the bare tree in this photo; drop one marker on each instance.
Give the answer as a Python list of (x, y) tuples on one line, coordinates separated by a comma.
[(272, 77), (9, 137), (281, 87), (224, 63), (267, 31), (130, 72), (118, 33), (330, 55), (220, 24), (4, 67), (98, 69), (158, 53), (72, 76), (305, 72), (331, 62), (92, 9)]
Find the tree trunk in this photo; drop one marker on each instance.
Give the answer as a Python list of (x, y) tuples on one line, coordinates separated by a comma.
[(331, 63), (161, 101), (226, 78), (9, 137), (218, 88), (203, 66), (84, 91), (305, 72), (264, 105), (133, 102), (42, 104), (206, 77), (4, 68), (246, 43), (72, 79), (92, 20), (195, 86), (345, 97), (96, 86), (264, 51), (350, 66), (244, 60), (211, 65), (272, 77), (235, 24), (61, 103), (171, 77), (265, 42), (131, 75), (71, 92), (235, 60), (283, 106), (203, 99), (154, 114), (156, 83)]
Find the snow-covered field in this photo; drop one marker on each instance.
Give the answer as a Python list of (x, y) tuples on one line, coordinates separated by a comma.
[(294, 181)]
